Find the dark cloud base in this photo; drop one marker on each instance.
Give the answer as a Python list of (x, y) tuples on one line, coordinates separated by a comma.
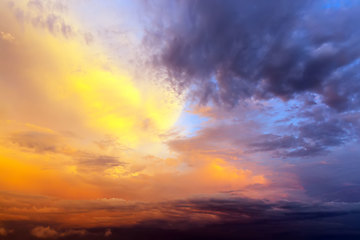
[(229, 231), (239, 219), (263, 230)]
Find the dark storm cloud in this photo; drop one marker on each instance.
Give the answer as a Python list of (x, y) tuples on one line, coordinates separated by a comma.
[(238, 49)]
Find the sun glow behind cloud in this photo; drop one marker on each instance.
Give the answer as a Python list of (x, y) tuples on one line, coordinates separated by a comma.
[(78, 125), (60, 98), (175, 114)]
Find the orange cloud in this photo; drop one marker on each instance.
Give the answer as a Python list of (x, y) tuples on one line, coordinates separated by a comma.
[(86, 135), (7, 36)]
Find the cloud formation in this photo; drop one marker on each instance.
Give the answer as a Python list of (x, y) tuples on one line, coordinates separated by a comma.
[(7, 36), (232, 50), (266, 144), (4, 232), (44, 232), (226, 218), (108, 232), (48, 232)]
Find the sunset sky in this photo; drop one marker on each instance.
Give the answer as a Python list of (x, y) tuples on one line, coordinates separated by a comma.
[(179, 119)]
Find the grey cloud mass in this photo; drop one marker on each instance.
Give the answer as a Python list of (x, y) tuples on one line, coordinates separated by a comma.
[(231, 50)]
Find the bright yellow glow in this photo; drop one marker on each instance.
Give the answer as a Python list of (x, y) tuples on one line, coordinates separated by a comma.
[(75, 125)]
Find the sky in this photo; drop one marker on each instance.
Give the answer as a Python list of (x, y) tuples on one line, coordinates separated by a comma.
[(179, 119)]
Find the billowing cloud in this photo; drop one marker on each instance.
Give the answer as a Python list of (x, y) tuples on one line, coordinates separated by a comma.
[(231, 50)]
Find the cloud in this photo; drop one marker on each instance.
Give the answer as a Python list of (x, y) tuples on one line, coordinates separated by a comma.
[(7, 36), (71, 232), (237, 53), (40, 142), (108, 232), (300, 128), (308, 139), (98, 162), (5, 232), (97, 99), (48, 232), (45, 15), (44, 232), (248, 210), (232, 50), (331, 178), (104, 163), (225, 218)]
